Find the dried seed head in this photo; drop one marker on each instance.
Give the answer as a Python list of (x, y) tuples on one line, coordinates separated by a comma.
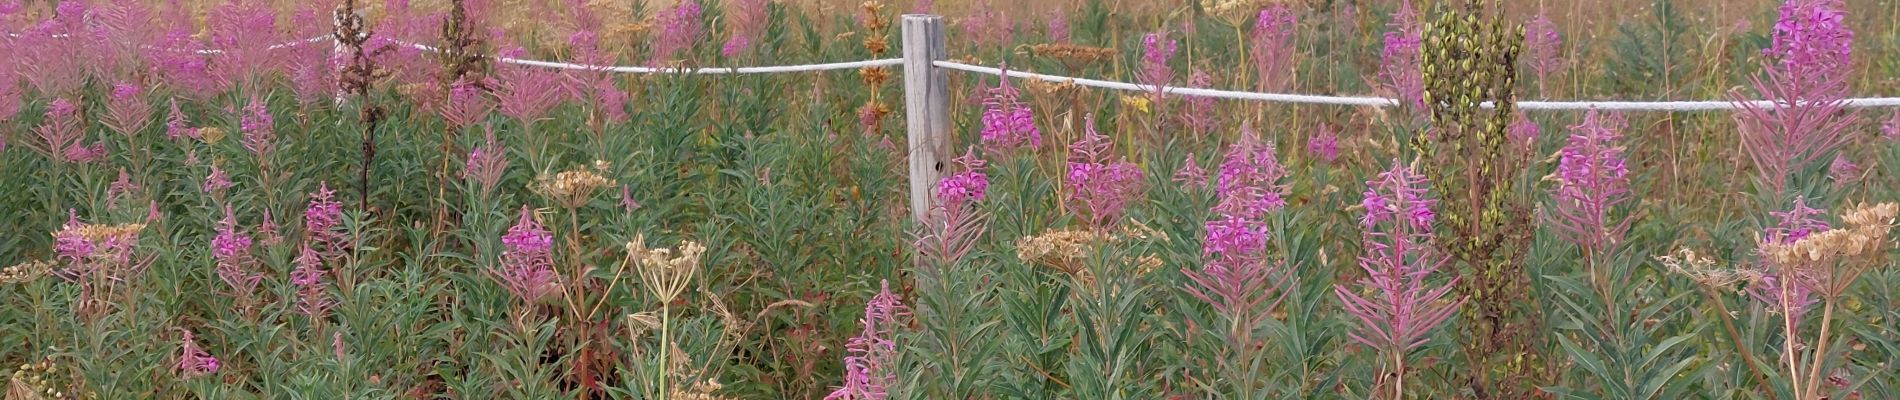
[(23, 273), (1703, 270), (572, 188), (665, 273)]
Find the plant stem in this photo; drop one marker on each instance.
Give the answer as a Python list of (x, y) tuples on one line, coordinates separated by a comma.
[(1398, 371), (1736, 337), (665, 315), (1820, 351), (1787, 340)]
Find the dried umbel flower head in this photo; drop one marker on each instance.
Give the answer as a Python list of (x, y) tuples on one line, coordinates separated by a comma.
[(664, 271), (1703, 270), (38, 381), (1875, 216), (25, 272), (1064, 250), (571, 188), (1070, 54)]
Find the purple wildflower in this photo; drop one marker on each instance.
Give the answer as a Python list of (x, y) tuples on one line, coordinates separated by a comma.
[(232, 250), (1236, 277), (1394, 305), (1199, 117), (244, 32), (1155, 72), (311, 68), (1100, 185), (1891, 129), (121, 188), (1543, 48), (1324, 144), (486, 163), (1059, 28), (527, 93), (467, 105), (870, 367), (1523, 132), (969, 186), (1811, 55), (193, 361), (1248, 184), (313, 298), (626, 199), (1191, 175), (320, 220), (986, 26), (527, 261), (1843, 171), (176, 126), (748, 21), (127, 112), (1792, 226), (1399, 73), (60, 132), (69, 244), (1592, 178), (217, 182), (679, 30), (1273, 51), (1007, 123), (270, 230), (260, 132)]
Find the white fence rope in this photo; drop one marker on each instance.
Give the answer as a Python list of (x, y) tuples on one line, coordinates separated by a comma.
[(1388, 102)]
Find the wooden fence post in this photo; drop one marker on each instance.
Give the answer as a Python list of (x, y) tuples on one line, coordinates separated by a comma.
[(926, 109)]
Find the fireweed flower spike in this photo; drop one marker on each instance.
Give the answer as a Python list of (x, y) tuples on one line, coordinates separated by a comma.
[(1199, 117), (259, 129), (313, 298), (320, 220), (966, 187), (1799, 222), (1544, 48), (1592, 178), (60, 133), (1155, 72), (232, 250), (1273, 51), (1007, 123), (527, 93), (679, 30), (1399, 72), (869, 367), (468, 104), (747, 19), (127, 112), (217, 182), (176, 126), (527, 261), (1811, 57), (1394, 305), (193, 361), (1236, 277), (1191, 175), (1099, 185), (1325, 144), (486, 163), (1891, 129)]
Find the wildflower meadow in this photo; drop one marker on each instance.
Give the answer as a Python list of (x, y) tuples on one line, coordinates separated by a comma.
[(420, 199)]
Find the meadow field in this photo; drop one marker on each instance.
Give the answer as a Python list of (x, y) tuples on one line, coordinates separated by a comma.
[(233, 199)]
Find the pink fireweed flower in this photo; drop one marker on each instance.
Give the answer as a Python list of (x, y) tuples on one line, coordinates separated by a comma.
[(1325, 144), (217, 182), (1098, 185), (1791, 226), (127, 112), (69, 244), (1891, 129), (1811, 56), (260, 132), (1007, 123), (1191, 175), (1543, 48), (1399, 65), (313, 298), (193, 361), (527, 93), (311, 67), (176, 126), (1199, 117), (679, 30), (270, 230), (1248, 183), (176, 63), (1592, 178), (1058, 28), (966, 187), (468, 104), (1155, 72), (987, 27), (748, 21), (244, 32), (527, 261), (1394, 305), (486, 163), (870, 366), (1272, 47), (232, 250), (626, 199), (320, 221), (121, 188), (60, 133), (10, 93), (1843, 171), (1523, 132)]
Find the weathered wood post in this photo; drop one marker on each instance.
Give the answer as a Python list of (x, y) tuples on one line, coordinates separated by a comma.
[(926, 109)]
